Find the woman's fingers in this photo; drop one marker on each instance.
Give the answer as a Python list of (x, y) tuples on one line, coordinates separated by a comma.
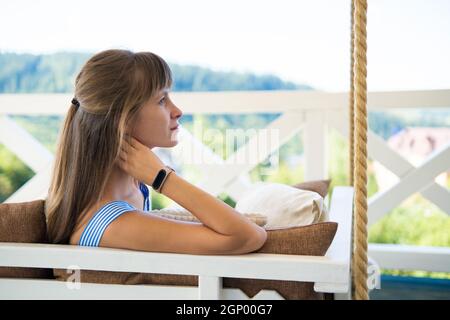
[(123, 155), (126, 142), (127, 146), (124, 147), (136, 144)]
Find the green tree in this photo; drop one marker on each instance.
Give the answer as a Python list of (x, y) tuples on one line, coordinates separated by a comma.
[(13, 173)]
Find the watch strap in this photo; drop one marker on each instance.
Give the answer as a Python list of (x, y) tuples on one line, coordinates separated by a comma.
[(161, 178)]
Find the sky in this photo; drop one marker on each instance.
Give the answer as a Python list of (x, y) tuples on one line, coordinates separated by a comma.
[(305, 41)]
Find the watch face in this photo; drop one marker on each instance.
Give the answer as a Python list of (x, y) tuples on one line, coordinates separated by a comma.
[(159, 179)]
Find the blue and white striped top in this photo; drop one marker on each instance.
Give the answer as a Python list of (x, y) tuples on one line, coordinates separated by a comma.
[(105, 215)]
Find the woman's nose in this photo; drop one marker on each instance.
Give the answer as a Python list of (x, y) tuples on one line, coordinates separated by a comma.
[(176, 113)]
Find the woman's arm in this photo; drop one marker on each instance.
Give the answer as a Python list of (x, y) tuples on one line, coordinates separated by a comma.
[(211, 211), (143, 164)]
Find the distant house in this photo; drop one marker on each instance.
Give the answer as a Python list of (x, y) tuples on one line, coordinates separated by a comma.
[(414, 144)]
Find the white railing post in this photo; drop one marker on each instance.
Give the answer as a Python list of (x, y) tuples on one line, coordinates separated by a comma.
[(209, 287), (315, 145)]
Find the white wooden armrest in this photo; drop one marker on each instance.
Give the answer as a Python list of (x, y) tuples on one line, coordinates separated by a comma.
[(341, 211), (252, 265)]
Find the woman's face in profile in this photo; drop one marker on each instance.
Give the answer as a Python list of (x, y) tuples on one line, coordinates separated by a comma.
[(156, 120)]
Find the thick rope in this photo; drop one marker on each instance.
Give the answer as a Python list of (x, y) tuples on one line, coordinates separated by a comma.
[(360, 254)]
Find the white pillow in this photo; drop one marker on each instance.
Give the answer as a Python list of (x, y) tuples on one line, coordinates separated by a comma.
[(284, 206)]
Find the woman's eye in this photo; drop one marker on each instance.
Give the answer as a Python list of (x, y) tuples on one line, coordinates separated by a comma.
[(162, 100)]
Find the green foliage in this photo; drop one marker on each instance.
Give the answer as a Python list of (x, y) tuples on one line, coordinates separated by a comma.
[(13, 173), (159, 201), (44, 128), (26, 73), (280, 173), (388, 123), (338, 160), (195, 78), (416, 273), (227, 199), (338, 164), (415, 222)]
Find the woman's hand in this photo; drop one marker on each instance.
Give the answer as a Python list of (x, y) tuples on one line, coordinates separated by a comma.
[(139, 161)]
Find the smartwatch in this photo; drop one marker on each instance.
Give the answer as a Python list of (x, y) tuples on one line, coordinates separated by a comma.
[(161, 178)]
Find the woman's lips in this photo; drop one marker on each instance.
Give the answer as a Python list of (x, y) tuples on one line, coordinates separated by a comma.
[(174, 128)]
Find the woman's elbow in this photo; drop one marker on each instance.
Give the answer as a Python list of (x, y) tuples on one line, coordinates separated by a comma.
[(251, 241), (259, 239)]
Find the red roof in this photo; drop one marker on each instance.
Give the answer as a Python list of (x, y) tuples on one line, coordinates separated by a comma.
[(420, 141)]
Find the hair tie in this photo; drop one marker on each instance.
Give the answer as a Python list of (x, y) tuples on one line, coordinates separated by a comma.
[(75, 102)]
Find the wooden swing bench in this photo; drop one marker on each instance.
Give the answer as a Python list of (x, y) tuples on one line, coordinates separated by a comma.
[(330, 273)]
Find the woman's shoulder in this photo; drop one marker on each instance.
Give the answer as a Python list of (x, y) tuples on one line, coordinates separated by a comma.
[(103, 210)]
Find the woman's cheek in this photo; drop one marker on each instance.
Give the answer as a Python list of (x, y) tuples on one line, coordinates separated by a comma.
[(140, 134)]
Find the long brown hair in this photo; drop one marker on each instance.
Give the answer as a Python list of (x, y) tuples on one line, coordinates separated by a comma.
[(110, 89)]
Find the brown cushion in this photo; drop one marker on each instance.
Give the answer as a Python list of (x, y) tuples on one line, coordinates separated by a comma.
[(23, 222), (313, 240), (319, 186), (305, 240)]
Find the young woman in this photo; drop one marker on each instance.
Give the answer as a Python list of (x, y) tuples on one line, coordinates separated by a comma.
[(98, 194)]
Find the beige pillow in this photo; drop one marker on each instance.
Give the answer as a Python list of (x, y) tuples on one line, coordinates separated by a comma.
[(179, 213), (284, 206)]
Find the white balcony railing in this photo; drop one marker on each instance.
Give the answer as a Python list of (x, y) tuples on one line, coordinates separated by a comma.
[(312, 112)]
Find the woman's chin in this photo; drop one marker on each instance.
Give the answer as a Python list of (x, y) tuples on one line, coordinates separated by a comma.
[(166, 144), (171, 143), (173, 138)]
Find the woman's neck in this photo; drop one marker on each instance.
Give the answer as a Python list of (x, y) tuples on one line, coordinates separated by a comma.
[(120, 185)]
